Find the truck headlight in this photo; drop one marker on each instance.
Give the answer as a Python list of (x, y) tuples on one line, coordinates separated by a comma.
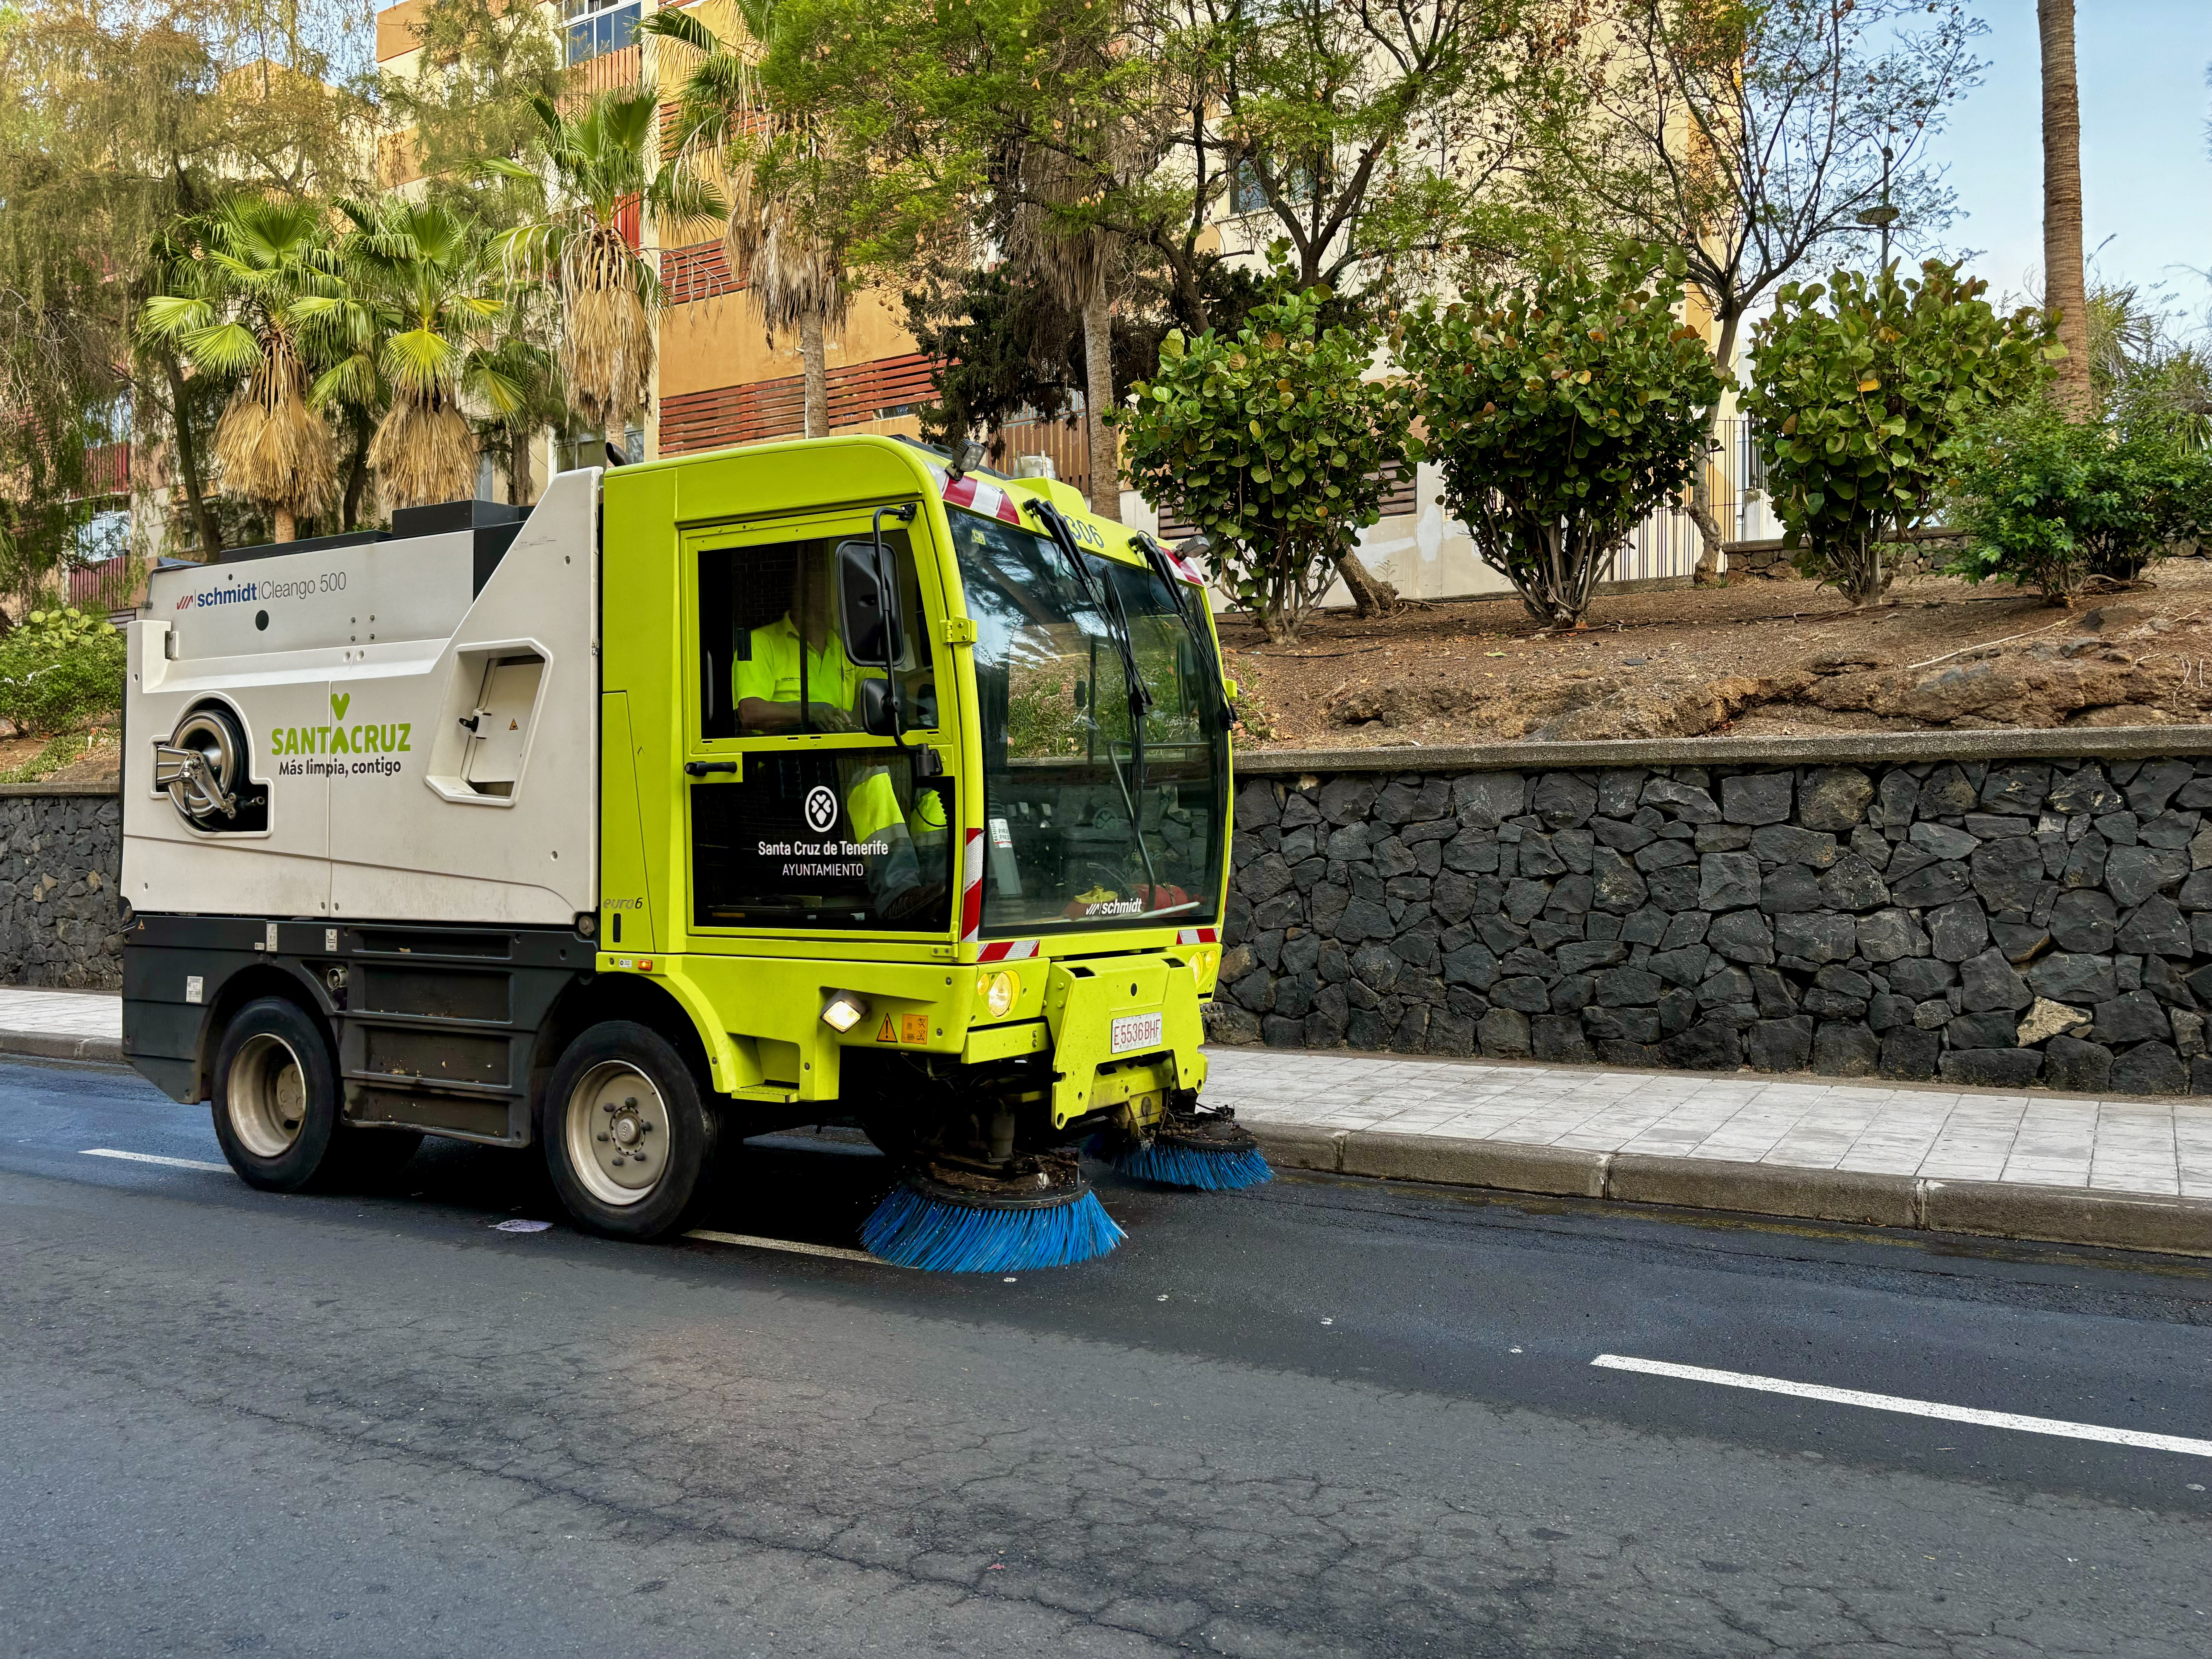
[(844, 1011), (999, 994)]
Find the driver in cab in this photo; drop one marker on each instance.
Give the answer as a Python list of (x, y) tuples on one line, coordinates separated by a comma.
[(796, 677)]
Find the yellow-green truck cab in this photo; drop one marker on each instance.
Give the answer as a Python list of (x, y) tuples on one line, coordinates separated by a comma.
[(908, 799)]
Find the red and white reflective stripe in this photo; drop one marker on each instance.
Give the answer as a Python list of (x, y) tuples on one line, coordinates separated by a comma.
[(1184, 569), (981, 494), (1010, 949), (1196, 936), (972, 888)]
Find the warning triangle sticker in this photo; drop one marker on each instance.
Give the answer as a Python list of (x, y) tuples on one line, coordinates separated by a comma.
[(890, 1033)]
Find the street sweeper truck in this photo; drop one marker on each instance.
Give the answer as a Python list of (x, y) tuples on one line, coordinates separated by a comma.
[(826, 780)]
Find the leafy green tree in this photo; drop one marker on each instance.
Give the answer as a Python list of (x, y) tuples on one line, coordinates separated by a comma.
[(1858, 401), (1561, 409), (1751, 138), (2054, 504), (1001, 348), (1274, 443), (117, 123), (1359, 136), (472, 95)]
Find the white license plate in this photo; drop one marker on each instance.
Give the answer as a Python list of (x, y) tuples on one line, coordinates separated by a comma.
[(1136, 1031)]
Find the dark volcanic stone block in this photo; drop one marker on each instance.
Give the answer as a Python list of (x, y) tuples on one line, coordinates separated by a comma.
[(1844, 1048), (1780, 1045), (1991, 1068), (1756, 798)]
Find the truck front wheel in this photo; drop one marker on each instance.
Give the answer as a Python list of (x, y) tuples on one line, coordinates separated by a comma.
[(628, 1138)]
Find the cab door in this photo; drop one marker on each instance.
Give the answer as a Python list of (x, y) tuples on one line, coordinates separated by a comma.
[(813, 642)]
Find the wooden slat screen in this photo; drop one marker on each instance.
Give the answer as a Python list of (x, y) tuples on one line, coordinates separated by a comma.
[(697, 272), (777, 408)]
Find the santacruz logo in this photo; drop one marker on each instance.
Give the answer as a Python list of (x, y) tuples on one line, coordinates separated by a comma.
[(310, 751)]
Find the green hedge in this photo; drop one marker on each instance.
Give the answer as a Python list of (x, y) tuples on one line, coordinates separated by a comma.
[(49, 685)]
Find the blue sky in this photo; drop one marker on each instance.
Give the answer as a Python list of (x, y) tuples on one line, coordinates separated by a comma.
[(2146, 174)]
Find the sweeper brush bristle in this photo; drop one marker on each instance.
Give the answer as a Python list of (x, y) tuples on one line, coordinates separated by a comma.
[(1175, 1164), (911, 1229)]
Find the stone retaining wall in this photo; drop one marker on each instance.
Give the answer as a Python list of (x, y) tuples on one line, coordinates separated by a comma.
[(2000, 921), (61, 853), (1995, 917)]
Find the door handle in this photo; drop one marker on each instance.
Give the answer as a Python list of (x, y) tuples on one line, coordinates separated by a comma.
[(702, 768)]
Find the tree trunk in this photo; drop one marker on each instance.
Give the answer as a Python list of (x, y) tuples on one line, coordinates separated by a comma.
[(284, 527), (1701, 489), (188, 460), (1104, 485), (814, 360), (2064, 288), (517, 466), (1371, 595), (356, 469)]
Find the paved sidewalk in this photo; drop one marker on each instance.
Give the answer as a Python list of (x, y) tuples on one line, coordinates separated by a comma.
[(60, 1024), (2163, 1147), (2131, 1173)]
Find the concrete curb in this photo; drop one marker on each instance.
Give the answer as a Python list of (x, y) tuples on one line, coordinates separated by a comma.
[(2060, 1215), (45, 1045), (1843, 749)]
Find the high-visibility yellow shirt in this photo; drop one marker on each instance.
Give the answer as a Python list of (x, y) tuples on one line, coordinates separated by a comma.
[(771, 674)]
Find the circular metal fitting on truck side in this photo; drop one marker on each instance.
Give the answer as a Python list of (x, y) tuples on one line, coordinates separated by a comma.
[(203, 766)]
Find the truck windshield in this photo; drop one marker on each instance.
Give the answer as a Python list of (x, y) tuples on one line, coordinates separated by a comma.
[(1088, 821)]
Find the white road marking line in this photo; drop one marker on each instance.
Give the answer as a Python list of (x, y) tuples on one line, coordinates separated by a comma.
[(150, 1158), (833, 1252), (1890, 1402)]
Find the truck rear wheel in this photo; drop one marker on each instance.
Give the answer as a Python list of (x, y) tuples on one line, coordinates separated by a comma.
[(275, 1096), (629, 1137)]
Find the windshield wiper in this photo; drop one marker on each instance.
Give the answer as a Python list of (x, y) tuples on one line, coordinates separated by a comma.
[(1108, 606), (1139, 699), (1217, 683)]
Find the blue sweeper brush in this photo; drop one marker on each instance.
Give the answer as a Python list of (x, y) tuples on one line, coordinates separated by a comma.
[(1208, 1151), (952, 1219)]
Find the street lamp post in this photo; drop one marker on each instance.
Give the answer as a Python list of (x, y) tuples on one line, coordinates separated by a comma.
[(1881, 218)]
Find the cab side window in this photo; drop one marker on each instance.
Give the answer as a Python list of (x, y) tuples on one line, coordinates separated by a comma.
[(794, 637)]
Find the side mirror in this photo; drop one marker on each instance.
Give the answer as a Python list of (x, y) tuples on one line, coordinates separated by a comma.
[(874, 709), (869, 624)]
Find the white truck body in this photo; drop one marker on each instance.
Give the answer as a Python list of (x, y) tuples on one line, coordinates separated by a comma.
[(355, 673)]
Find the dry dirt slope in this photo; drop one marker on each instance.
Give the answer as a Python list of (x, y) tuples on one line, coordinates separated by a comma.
[(1756, 659)]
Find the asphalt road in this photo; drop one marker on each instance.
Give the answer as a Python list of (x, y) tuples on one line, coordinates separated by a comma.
[(1326, 1416)]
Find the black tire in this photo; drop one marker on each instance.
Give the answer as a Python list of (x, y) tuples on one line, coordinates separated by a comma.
[(629, 1140), (276, 1097)]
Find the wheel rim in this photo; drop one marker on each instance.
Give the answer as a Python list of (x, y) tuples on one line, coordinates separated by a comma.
[(616, 1130), (266, 1097)]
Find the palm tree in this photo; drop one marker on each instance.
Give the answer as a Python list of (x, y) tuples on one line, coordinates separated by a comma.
[(604, 168), (516, 354), (795, 274), (422, 293), (2064, 286), (1052, 239), (251, 304)]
